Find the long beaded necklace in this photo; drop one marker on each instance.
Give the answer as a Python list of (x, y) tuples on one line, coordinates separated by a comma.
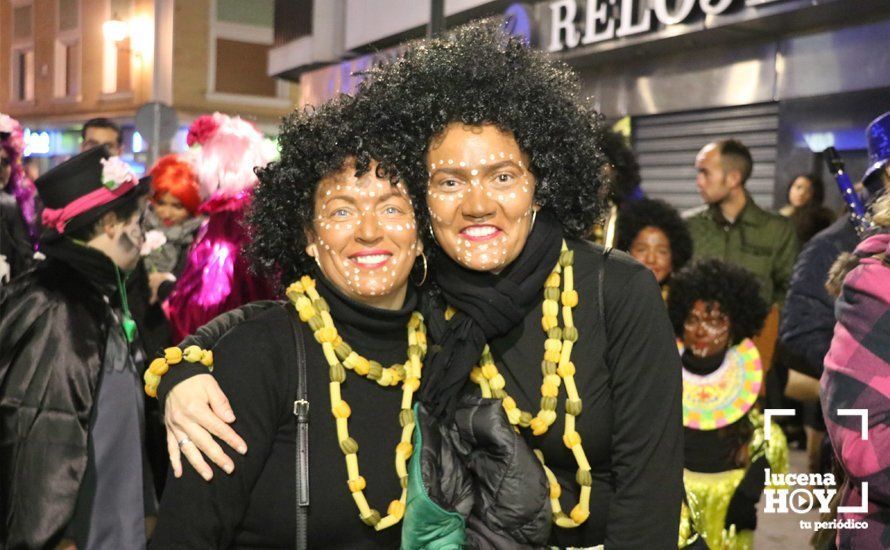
[(558, 371), (314, 311)]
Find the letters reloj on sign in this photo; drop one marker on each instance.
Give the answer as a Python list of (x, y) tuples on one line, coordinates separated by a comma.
[(635, 18)]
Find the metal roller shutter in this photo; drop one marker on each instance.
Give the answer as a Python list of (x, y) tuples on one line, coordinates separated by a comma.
[(666, 146)]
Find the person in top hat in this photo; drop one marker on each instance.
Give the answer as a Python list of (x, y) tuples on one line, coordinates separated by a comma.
[(72, 463), (809, 315)]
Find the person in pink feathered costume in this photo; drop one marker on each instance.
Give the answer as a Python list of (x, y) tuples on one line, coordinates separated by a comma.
[(215, 278), (18, 219)]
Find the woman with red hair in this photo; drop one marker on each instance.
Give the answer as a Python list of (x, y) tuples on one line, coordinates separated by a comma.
[(172, 222)]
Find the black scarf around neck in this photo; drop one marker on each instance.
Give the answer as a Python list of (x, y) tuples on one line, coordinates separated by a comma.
[(95, 267), (488, 306)]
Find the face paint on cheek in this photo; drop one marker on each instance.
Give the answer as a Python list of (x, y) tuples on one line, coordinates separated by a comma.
[(132, 238)]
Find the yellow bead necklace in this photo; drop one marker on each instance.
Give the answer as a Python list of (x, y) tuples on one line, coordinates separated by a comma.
[(314, 311), (558, 371)]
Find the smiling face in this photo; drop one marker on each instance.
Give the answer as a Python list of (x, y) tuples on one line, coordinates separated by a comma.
[(364, 236), (653, 249), (706, 329), (480, 196)]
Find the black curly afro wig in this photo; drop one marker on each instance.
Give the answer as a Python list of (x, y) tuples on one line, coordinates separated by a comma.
[(313, 144), (477, 75), (734, 288), (639, 215), (625, 170)]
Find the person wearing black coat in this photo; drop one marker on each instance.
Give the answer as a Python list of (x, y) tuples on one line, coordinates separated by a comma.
[(72, 458), (808, 317), (15, 245)]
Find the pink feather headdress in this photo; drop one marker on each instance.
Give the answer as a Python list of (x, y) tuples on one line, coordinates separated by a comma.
[(230, 149)]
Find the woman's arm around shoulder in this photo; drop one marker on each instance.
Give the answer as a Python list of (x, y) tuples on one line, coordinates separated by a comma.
[(252, 368)]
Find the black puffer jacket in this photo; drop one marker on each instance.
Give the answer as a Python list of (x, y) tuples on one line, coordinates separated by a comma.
[(808, 316)]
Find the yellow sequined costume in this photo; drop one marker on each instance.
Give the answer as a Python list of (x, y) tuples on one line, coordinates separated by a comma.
[(709, 494)]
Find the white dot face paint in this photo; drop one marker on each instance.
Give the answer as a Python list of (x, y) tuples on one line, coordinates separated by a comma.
[(706, 329), (481, 207), (365, 236)]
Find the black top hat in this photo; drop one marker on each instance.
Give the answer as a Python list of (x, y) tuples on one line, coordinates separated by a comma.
[(77, 177)]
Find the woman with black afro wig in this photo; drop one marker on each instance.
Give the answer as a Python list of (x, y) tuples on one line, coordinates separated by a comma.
[(716, 309), (653, 232), (505, 155)]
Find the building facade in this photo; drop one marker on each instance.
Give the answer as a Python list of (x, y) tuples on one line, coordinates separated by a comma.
[(787, 77), (67, 61)]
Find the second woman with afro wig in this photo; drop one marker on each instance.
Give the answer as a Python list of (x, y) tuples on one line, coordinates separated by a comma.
[(715, 308), (505, 152), (653, 232)]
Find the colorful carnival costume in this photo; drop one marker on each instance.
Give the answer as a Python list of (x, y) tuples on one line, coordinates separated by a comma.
[(712, 403), (215, 278), (18, 218), (715, 309)]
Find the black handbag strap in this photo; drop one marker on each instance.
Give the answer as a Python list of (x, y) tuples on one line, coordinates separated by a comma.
[(301, 413)]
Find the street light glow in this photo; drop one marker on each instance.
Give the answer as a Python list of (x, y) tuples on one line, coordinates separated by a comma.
[(115, 30)]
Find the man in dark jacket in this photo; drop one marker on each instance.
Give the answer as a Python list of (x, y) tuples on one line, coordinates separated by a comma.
[(808, 317), (72, 467)]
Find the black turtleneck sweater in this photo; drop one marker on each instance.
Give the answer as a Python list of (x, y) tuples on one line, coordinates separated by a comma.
[(628, 376), (254, 507)]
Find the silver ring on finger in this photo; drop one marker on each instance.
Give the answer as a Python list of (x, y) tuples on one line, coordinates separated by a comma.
[(183, 441)]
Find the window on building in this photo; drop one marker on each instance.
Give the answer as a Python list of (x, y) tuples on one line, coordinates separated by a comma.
[(241, 37), (22, 23), (67, 62), (23, 74), (241, 69), (117, 54), (22, 58)]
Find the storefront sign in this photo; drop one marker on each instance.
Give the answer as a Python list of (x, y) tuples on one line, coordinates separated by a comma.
[(36, 142), (610, 19)]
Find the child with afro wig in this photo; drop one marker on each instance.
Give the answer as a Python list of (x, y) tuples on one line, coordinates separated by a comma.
[(715, 308)]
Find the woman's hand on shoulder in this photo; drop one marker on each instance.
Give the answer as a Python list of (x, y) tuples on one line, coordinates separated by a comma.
[(197, 409)]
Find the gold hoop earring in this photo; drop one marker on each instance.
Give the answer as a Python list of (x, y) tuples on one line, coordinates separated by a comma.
[(425, 270), (534, 216)]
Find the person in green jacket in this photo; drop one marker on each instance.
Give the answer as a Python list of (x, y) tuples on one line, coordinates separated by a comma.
[(731, 227)]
